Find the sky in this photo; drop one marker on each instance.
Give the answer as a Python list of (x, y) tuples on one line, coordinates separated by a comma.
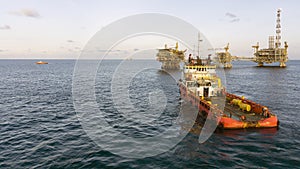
[(58, 29)]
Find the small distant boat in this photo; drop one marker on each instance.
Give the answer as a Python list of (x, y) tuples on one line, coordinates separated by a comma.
[(41, 63)]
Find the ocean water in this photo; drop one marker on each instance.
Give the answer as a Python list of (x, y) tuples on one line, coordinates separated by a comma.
[(40, 127)]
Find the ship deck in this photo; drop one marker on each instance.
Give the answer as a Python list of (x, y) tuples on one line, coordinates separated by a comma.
[(235, 112)]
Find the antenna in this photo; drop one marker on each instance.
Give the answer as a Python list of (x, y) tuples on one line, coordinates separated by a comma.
[(278, 30)]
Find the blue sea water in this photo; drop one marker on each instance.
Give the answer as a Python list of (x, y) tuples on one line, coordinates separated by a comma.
[(39, 127)]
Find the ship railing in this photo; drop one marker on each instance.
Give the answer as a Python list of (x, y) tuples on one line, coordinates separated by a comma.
[(200, 66), (212, 108)]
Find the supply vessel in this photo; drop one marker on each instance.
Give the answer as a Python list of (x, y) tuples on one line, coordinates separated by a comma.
[(41, 63), (201, 86)]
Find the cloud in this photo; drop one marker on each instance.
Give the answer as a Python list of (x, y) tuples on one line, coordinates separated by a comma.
[(5, 27), (26, 12), (230, 15), (235, 20)]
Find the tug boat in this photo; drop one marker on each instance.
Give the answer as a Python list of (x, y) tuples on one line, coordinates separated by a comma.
[(203, 88)]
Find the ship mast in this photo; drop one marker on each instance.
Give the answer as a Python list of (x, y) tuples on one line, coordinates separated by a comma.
[(199, 40)]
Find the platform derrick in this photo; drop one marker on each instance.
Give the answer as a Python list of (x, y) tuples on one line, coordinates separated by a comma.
[(170, 57)]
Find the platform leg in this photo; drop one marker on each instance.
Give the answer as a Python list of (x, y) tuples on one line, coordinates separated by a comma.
[(282, 64)]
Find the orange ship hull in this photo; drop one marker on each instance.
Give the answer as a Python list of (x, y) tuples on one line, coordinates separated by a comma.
[(229, 123)]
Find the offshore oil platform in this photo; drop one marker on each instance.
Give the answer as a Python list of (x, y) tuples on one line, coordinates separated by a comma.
[(275, 53), (171, 58)]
